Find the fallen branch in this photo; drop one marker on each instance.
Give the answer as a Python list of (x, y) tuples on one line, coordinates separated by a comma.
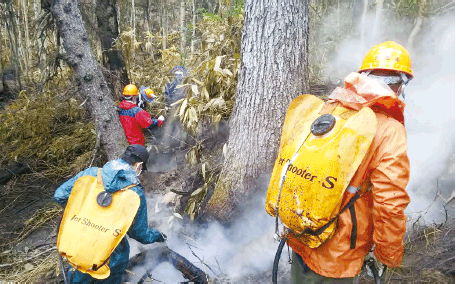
[(153, 257)]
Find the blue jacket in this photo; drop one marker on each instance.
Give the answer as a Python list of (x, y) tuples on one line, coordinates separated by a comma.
[(116, 175)]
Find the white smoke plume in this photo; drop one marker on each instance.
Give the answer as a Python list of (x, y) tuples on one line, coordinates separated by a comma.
[(430, 107), (430, 115), (247, 248)]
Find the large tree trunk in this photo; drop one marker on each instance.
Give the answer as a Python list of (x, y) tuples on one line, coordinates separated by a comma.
[(273, 72), (91, 82), (108, 31)]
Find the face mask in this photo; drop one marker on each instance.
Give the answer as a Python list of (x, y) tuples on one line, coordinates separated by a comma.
[(138, 169)]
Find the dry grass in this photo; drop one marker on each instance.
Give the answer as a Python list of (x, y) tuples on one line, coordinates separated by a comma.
[(429, 255), (37, 261), (48, 130)]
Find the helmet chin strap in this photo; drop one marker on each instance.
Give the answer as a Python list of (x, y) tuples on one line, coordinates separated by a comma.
[(405, 81)]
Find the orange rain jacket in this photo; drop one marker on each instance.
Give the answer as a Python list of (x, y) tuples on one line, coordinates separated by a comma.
[(380, 212)]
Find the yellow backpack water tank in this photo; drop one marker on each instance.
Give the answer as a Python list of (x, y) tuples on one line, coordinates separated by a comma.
[(89, 232), (312, 171)]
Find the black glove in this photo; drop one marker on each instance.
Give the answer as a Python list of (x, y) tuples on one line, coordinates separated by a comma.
[(162, 238)]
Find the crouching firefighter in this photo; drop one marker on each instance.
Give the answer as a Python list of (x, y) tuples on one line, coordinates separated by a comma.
[(102, 205), (338, 183)]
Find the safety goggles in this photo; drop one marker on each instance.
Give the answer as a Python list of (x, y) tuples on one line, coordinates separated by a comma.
[(391, 80)]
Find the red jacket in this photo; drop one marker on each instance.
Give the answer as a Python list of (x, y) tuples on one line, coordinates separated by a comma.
[(379, 212), (134, 120)]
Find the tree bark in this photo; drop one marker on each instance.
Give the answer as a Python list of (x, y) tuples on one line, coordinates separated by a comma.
[(108, 31), (273, 72), (89, 78)]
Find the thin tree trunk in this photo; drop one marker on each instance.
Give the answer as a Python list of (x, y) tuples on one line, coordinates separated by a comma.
[(273, 72), (182, 27), (378, 20), (363, 25), (193, 27), (146, 16), (165, 25), (89, 77), (27, 51), (94, 12), (417, 26), (2, 47), (108, 31), (133, 26), (12, 33), (36, 8), (133, 16)]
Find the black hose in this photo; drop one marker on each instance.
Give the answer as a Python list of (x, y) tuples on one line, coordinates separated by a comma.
[(63, 270), (276, 260), (374, 271), (146, 275)]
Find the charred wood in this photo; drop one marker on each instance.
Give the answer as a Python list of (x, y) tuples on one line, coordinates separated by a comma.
[(153, 257)]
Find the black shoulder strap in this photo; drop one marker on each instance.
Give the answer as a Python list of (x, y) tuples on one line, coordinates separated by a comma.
[(324, 227)]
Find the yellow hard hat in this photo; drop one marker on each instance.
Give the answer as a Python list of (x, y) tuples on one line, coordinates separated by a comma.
[(149, 93), (130, 90), (388, 56)]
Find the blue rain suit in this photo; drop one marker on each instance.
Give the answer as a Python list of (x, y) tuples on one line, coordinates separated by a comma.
[(116, 175)]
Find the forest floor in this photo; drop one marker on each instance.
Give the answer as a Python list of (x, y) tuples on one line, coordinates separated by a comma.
[(29, 217)]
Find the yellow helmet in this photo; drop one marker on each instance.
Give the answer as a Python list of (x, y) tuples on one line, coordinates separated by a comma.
[(149, 93), (130, 90), (388, 56)]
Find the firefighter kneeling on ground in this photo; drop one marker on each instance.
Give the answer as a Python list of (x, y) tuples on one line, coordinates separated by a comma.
[(372, 231), (133, 118), (101, 206)]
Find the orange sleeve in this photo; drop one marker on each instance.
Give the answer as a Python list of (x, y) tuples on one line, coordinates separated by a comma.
[(389, 179)]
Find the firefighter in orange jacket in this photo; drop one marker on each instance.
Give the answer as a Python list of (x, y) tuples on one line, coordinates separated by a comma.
[(380, 218)]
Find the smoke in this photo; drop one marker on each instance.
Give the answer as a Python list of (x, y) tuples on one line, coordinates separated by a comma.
[(246, 248), (430, 121), (430, 100)]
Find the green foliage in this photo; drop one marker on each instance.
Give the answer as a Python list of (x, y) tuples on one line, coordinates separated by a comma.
[(409, 8), (236, 10), (211, 16), (49, 128)]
